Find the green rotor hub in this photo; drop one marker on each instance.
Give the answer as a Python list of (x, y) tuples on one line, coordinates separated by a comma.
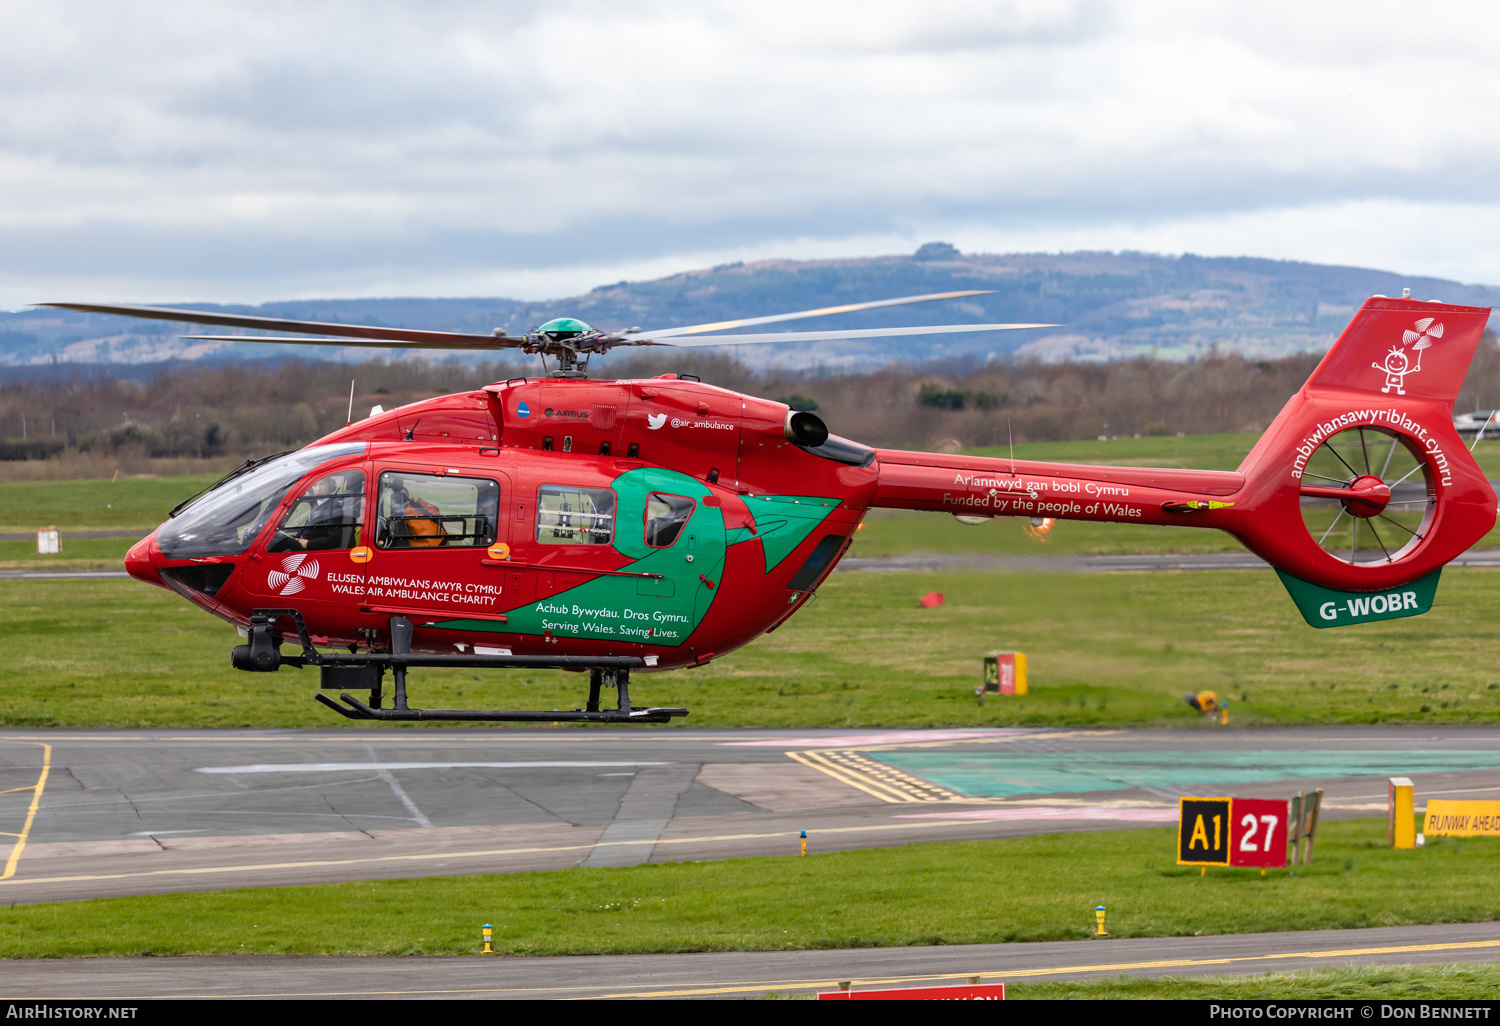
[(562, 328)]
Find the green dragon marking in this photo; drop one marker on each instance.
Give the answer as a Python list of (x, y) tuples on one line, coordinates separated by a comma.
[(665, 610)]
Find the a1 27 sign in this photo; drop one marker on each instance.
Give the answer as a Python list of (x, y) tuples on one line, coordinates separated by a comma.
[(1231, 832)]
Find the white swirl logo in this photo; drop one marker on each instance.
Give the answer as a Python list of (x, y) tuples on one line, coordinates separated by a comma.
[(294, 574)]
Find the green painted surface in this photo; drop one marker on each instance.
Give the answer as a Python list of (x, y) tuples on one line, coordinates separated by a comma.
[(1325, 607), (1001, 774), (635, 609), (661, 611), (782, 522)]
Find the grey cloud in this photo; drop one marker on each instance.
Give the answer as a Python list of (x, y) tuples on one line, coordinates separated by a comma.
[(282, 143)]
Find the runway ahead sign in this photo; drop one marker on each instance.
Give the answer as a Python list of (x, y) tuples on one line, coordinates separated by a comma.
[(1447, 818), (1231, 832)]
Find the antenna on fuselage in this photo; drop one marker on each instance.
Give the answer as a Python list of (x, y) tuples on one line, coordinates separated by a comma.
[(1009, 434), (350, 419)]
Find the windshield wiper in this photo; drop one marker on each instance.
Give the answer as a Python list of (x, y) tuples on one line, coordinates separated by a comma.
[(243, 468)]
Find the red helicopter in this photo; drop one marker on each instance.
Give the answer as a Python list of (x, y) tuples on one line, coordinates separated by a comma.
[(657, 524)]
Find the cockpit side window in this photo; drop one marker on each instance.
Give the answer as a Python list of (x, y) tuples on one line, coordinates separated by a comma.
[(427, 511), (329, 515), (665, 517)]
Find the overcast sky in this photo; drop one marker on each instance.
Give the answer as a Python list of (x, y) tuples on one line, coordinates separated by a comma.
[(157, 151)]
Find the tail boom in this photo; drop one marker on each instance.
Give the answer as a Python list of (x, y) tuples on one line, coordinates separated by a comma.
[(1395, 371), (985, 486)]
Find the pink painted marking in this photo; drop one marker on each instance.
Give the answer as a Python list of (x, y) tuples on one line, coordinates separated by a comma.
[(1054, 812), (901, 737)]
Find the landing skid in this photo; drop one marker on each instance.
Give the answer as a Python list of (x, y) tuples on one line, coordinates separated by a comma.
[(366, 670), (357, 710)]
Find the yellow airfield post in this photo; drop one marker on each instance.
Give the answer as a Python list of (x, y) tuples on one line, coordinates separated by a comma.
[(1403, 823)]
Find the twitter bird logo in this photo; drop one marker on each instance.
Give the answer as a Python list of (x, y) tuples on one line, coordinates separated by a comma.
[(655, 420)]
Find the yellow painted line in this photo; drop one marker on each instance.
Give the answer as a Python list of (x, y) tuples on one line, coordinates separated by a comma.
[(924, 789), (310, 864), (855, 772), (833, 772), (1058, 970), (887, 783), (36, 800), (812, 984), (451, 855)]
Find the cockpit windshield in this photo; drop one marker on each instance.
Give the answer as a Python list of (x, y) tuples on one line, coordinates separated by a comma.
[(226, 521)]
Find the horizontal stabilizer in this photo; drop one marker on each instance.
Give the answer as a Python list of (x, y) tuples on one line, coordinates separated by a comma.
[(1326, 607)]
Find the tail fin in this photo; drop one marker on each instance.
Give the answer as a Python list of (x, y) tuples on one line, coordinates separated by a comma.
[(1403, 348), (1369, 443)]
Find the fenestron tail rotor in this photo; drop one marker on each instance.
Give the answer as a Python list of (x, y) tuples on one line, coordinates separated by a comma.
[(1367, 496)]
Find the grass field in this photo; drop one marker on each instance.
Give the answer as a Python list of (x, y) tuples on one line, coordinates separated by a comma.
[(1455, 981), (127, 504), (141, 503), (972, 892), (1104, 649)]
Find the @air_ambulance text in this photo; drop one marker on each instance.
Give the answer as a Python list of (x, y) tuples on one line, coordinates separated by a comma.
[(1358, 1010)]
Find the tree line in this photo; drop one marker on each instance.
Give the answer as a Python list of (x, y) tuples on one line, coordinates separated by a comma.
[(204, 417)]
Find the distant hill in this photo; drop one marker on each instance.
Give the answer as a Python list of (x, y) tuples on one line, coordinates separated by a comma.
[(1108, 305)]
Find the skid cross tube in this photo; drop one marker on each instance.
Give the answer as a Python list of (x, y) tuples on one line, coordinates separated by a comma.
[(610, 671), (354, 709), (557, 662)]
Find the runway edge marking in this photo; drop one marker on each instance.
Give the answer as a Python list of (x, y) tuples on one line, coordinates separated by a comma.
[(1109, 967), (36, 801)]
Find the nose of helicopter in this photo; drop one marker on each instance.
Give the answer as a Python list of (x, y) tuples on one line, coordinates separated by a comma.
[(141, 565)]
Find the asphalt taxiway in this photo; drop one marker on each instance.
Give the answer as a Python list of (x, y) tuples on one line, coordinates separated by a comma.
[(99, 813), (740, 974)]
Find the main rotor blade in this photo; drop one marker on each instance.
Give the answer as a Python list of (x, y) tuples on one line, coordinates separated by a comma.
[(452, 341), (745, 322), (441, 339), (818, 336)]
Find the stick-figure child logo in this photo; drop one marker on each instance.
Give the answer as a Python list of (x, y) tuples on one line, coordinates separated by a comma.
[(1398, 362)]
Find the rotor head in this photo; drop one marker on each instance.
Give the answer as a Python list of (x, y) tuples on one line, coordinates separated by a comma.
[(563, 329)]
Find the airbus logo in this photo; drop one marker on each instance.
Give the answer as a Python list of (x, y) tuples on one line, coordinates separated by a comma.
[(654, 421), (294, 574)]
